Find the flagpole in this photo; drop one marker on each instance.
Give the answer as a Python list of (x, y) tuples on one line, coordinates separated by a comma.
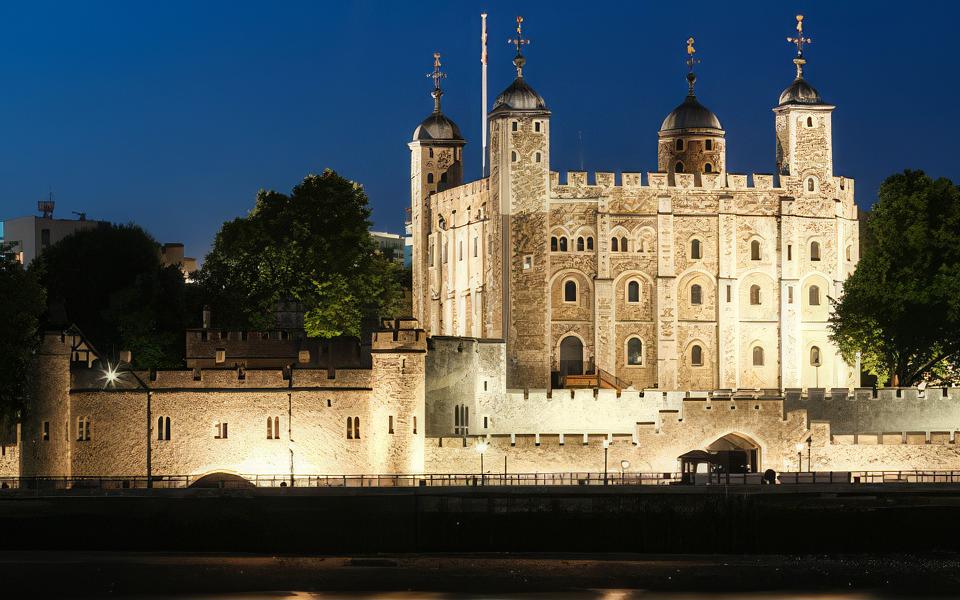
[(483, 92)]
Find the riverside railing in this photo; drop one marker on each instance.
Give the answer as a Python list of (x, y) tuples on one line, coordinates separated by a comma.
[(251, 481)]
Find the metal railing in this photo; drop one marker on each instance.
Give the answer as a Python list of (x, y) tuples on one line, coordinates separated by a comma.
[(470, 480)]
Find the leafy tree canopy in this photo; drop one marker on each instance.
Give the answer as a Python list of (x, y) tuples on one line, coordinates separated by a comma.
[(900, 310), (21, 302), (313, 246), (110, 283)]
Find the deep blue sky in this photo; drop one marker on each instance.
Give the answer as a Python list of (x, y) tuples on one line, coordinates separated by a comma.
[(173, 114)]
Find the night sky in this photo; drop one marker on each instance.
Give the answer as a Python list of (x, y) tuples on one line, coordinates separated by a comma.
[(173, 114)]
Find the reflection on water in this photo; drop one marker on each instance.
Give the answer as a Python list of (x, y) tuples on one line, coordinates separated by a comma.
[(577, 595)]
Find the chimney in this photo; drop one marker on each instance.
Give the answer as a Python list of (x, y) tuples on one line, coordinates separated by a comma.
[(126, 356), (206, 317)]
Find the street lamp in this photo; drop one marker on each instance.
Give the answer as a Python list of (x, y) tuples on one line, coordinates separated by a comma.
[(606, 449), (112, 376), (799, 448), (809, 446), (624, 465), (481, 448)]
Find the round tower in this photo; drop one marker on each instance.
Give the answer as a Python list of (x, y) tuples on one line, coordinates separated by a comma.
[(691, 137)]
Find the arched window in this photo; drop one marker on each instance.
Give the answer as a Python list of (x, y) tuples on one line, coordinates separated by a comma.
[(589, 243), (814, 250), (580, 245), (431, 152), (755, 294), (696, 355), (633, 292), (809, 121), (757, 356), (623, 244), (696, 249), (814, 295), (570, 291), (429, 177), (614, 245), (848, 253), (166, 431), (563, 244), (696, 294), (678, 168), (634, 351), (537, 157), (356, 428), (679, 145), (163, 428), (811, 185), (269, 428), (160, 428), (513, 156), (815, 356), (707, 168), (349, 428), (553, 244), (755, 250)]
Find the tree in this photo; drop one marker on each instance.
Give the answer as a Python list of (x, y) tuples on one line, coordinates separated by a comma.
[(21, 302), (900, 310), (109, 282), (312, 246)]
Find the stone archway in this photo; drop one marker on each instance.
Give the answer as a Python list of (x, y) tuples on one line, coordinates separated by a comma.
[(735, 453), (571, 356), (220, 480)]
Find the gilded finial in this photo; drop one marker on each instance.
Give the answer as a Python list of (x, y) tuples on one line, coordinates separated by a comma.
[(799, 41), (519, 42), (436, 75), (691, 61)]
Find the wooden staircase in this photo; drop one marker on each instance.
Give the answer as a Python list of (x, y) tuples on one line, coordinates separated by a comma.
[(598, 379)]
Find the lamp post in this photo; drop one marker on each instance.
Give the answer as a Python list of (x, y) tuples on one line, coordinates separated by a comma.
[(799, 448), (624, 465), (809, 448), (606, 449), (112, 375), (481, 448)]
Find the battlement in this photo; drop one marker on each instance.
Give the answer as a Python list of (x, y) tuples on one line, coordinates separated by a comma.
[(225, 379), (400, 335), (595, 183)]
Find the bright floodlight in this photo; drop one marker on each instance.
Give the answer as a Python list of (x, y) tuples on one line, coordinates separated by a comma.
[(799, 446), (482, 447), (111, 374), (624, 464)]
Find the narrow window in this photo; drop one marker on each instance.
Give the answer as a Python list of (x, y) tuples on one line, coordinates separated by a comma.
[(356, 428), (678, 167), (790, 294), (221, 356), (476, 246), (563, 244), (570, 291), (44, 238), (527, 262), (815, 356), (513, 156), (160, 428), (484, 385), (848, 253), (269, 428), (614, 245), (708, 145), (814, 295), (537, 157), (390, 424), (755, 295), (429, 177), (443, 253), (536, 126), (757, 356), (809, 121), (414, 424), (728, 292), (589, 243), (707, 168), (166, 429), (580, 244), (810, 185), (679, 145), (553, 244), (431, 152), (634, 351), (789, 251), (633, 292), (460, 250), (623, 244), (696, 249), (349, 428), (513, 126), (814, 250), (45, 434), (696, 294), (696, 356), (755, 250), (221, 432)]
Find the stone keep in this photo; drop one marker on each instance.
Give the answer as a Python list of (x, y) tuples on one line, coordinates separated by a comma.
[(691, 277)]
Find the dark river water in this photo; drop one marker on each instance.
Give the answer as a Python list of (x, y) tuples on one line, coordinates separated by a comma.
[(599, 594)]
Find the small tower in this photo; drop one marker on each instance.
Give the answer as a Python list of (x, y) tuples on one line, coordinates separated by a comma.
[(691, 138), (804, 131), (436, 164), (519, 188)]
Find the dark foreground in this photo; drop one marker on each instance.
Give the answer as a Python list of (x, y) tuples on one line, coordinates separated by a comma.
[(474, 576)]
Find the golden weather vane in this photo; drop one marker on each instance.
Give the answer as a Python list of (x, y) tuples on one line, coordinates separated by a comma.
[(519, 42), (799, 41), (436, 75), (691, 61)]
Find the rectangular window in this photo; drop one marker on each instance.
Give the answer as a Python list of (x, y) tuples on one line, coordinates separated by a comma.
[(790, 294), (460, 250), (221, 356), (476, 245), (789, 251), (513, 126), (430, 254), (44, 238), (390, 423), (414, 424), (484, 385), (45, 434), (527, 262), (536, 126), (221, 432), (728, 293), (486, 422)]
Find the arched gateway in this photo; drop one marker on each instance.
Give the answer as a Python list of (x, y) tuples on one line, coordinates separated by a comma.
[(731, 453)]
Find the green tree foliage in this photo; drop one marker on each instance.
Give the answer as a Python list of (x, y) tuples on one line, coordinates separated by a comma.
[(312, 246), (109, 282), (21, 302), (900, 310)]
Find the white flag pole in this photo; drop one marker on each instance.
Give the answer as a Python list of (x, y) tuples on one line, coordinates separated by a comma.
[(483, 85)]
